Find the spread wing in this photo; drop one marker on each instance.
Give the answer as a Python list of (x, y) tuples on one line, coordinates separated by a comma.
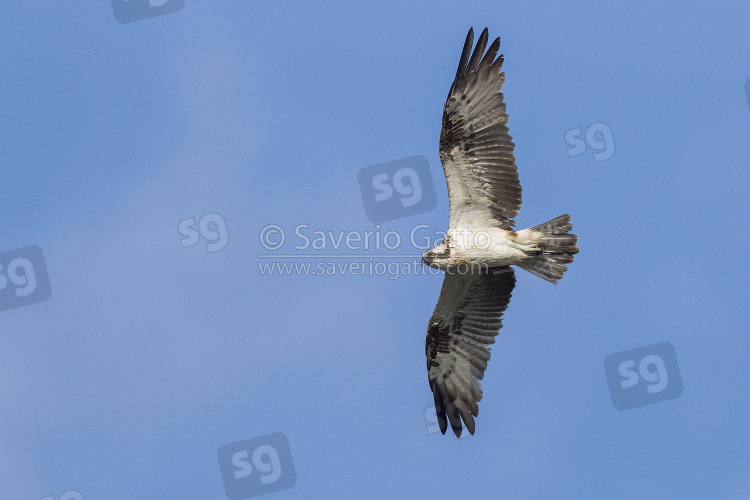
[(466, 320), (475, 148)]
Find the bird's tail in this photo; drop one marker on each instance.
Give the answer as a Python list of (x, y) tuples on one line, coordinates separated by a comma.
[(558, 247)]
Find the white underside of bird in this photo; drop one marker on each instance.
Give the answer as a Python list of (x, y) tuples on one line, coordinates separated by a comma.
[(491, 247)]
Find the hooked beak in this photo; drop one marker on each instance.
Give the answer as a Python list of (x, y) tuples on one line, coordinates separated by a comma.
[(423, 261)]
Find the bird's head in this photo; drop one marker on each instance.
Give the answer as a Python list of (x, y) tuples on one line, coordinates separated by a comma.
[(437, 256)]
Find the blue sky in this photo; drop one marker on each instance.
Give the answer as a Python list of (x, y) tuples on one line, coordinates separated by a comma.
[(149, 356)]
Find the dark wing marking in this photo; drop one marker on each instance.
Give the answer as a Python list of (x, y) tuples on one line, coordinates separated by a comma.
[(466, 320), (475, 148)]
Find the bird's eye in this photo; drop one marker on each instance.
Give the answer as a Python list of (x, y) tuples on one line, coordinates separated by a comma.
[(431, 255)]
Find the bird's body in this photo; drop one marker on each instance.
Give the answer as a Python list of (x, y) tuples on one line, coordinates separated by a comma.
[(488, 247), (480, 245)]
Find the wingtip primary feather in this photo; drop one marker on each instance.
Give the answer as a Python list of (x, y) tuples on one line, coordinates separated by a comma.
[(490, 55), (478, 52), (455, 420), (466, 415), (439, 407), (463, 62)]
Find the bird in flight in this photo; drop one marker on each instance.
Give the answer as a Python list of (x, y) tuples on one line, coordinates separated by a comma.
[(480, 245)]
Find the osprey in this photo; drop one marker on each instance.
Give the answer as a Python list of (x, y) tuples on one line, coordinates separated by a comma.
[(480, 245)]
